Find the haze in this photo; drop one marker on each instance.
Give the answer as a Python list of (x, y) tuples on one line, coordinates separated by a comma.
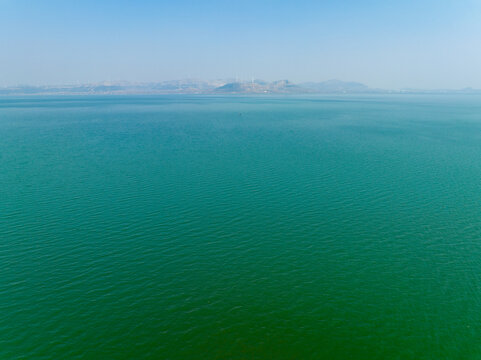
[(385, 44)]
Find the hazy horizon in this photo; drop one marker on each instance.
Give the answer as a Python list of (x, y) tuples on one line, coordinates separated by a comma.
[(383, 44), (224, 81)]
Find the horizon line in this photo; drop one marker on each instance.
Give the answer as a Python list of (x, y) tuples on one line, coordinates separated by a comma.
[(228, 80)]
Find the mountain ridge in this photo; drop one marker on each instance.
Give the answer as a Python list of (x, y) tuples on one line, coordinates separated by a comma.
[(213, 87)]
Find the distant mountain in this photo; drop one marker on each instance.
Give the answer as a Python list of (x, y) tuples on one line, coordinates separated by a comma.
[(221, 86), (260, 87)]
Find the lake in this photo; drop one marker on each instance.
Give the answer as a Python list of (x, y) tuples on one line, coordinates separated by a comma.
[(240, 227)]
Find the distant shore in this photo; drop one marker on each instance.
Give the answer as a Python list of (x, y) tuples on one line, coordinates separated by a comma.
[(216, 87)]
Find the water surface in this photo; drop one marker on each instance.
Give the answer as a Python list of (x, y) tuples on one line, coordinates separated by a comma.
[(196, 227)]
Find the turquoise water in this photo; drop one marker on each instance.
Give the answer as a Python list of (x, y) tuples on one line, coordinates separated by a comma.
[(189, 227)]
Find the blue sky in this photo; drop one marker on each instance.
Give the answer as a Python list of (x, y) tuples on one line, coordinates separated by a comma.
[(388, 44)]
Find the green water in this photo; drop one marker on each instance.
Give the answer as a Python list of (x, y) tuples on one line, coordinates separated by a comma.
[(182, 227)]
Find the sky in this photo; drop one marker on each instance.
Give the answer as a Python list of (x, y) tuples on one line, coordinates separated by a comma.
[(382, 43)]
